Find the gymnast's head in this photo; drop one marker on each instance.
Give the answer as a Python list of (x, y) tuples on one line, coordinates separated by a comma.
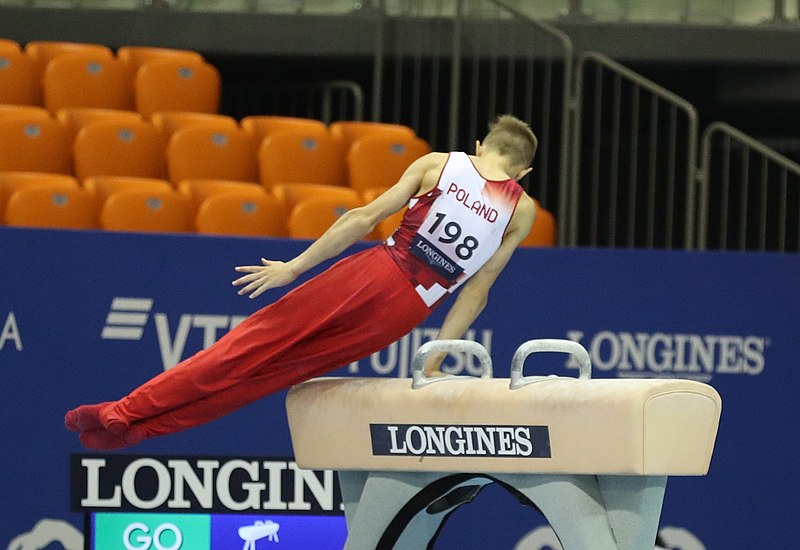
[(513, 139)]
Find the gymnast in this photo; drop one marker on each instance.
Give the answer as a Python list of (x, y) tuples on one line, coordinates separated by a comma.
[(466, 216)]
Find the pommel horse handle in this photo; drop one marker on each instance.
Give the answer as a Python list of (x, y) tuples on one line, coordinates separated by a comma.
[(547, 344), (465, 346)]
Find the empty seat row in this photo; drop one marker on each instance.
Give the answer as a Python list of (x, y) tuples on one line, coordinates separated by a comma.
[(139, 204), (122, 143), (257, 127), (59, 75), (203, 206)]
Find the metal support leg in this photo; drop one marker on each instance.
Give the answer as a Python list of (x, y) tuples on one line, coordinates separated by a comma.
[(351, 484), (572, 504), (381, 507), (405, 511), (633, 505)]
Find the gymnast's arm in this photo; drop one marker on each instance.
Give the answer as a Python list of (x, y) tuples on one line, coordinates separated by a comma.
[(474, 295), (352, 226)]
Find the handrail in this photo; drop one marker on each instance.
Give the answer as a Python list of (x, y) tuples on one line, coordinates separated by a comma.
[(642, 81), (659, 92), (753, 143), (704, 180), (567, 109)]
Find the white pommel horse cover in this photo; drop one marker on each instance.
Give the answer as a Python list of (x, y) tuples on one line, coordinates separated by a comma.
[(535, 424), (592, 455)]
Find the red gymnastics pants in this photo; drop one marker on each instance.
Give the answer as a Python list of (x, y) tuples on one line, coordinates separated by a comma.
[(359, 306)]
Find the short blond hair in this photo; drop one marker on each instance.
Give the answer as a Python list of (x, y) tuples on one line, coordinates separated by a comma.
[(512, 138)]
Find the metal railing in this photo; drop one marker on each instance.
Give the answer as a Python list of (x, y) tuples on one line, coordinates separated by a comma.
[(634, 147), (328, 101), (618, 158), (749, 194), (447, 75)]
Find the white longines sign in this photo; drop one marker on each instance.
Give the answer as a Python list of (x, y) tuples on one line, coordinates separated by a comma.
[(697, 356), (198, 484), (466, 441)]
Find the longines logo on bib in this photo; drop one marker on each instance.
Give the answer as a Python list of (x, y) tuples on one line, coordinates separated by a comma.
[(435, 258), (460, 441)]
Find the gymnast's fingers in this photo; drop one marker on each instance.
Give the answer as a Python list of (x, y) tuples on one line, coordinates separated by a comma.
[(259, 291), (245, 279), (252, 284)]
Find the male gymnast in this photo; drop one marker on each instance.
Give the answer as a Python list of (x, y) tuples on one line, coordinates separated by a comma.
[(466, 216)]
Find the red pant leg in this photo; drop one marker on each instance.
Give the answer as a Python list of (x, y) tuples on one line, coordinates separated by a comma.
[(357, 307)]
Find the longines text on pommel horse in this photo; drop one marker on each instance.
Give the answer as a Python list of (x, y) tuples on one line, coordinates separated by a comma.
[(593, 455)]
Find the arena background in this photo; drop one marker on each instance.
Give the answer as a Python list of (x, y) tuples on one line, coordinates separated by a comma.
[(728, 318), (61, 287)]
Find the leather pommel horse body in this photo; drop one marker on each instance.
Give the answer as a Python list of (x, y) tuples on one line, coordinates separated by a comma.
[(592, 455)]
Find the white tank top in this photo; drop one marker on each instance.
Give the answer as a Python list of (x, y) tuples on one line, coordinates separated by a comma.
[(449, 233)]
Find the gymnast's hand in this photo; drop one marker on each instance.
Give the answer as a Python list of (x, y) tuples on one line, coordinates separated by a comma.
[(433, 364), (263, 277)]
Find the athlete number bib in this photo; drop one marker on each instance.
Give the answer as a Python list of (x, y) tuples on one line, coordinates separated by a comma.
[(453, 230)]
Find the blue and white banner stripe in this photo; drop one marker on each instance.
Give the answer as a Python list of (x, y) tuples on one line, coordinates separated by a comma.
[(127, 318)]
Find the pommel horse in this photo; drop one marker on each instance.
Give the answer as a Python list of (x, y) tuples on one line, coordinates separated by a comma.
[(593, 455)]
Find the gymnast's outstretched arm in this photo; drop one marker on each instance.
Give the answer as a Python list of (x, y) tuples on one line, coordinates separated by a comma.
[(352, 226)]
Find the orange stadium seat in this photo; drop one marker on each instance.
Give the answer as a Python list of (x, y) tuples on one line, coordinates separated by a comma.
[(202, 152), (44, 51), (8, 45), (259, 126), (291, 156), (113, 148), (349, 131), (31, 112), (388, 226), (102, 187), (147, 211), (292, 194), (75, 118), (544, 230), (51, 206), (198, 190), (242, 214), (167, 122), (33, 144), (87, 80), (19, 79), (12, 181), (177, 85), (381, 160), (312, 217), (133, 57)]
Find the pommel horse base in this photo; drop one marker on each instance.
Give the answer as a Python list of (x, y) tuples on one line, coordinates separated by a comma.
[(592, 455)]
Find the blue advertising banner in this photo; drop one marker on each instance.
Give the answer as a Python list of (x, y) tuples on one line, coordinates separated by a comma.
[(87, 316)]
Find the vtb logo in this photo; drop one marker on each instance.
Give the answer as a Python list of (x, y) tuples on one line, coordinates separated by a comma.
[(128, 317)]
